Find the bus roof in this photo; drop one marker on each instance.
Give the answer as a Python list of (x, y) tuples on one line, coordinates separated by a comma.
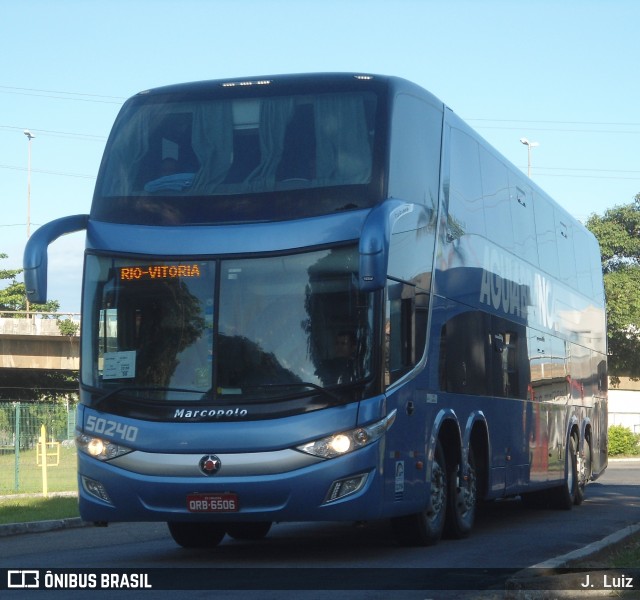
[(288, 83)]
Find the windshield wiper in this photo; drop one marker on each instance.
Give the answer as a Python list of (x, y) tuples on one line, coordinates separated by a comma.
[(123, 388), (303, 384), (265, 386)]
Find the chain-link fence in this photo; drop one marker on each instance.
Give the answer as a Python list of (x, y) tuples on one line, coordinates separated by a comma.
[(22, 458)]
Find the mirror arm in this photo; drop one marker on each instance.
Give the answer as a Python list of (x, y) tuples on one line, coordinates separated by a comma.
[(374, 243)]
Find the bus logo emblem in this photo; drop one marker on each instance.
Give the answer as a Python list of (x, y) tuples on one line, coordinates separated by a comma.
[(210, 464)]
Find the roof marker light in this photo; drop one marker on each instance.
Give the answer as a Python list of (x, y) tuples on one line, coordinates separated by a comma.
[(246, 83)]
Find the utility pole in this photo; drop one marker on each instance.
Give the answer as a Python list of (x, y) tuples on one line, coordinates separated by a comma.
[(30, 136)]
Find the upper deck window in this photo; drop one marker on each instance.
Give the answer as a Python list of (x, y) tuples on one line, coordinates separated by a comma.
[(175, 153)]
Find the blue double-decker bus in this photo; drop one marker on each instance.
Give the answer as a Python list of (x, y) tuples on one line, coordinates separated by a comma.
[(321, 298)]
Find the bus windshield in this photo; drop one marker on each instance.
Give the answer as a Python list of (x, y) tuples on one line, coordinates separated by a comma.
[(279, 326), (187, 159)]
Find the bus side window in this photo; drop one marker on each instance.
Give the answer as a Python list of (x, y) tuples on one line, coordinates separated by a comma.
[(414, 159), (421, 318), (464, 355), (495, 200), (546, 234), (399, 330), (510, 367), (465, 192), (408, 294), (405, 329), (566, 252), (523, 220), (506, 372), (583, 272)]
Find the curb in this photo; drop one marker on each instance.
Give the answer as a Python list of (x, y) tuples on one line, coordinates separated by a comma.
[(549, 575), (42, 526), (589, 549)]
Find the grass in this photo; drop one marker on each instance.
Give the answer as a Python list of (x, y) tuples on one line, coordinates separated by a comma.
[(628, 555), (24, 509), (61, 474), (625, 554)]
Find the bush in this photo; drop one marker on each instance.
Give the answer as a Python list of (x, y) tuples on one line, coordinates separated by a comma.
[(68, 327), (622, 441)]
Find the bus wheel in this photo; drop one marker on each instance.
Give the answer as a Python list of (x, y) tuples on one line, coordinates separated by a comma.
[(196, 535), (461, 511), (584, 472), (425, 528), (248, 531), (564, 496)]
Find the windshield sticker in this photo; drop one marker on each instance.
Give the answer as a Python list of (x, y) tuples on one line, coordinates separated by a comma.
[(119, 365)]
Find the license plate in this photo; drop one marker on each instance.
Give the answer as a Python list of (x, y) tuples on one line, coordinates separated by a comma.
[(212, 503)]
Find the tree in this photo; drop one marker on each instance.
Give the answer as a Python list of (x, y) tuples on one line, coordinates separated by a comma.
[(38, 385), (618, 232), (13, 297)]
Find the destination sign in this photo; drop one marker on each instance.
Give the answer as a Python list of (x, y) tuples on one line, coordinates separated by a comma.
[(159, 272)]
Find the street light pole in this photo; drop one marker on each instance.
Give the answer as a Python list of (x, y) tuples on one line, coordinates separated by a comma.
[(30, 136), (529, 145)]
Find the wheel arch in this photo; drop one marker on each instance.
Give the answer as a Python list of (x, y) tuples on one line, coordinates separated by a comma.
[(446, 429), (573, 430), (586, 433)]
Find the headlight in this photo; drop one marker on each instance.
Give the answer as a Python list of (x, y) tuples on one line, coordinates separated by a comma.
[(348, 441), (99, 448)]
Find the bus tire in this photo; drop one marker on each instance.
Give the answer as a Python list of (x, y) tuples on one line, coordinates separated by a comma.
[(248, 530), (563, 497), (461, 511), (584, 472), (196, 535), (425, 528)]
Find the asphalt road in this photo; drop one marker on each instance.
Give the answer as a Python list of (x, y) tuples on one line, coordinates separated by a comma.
[(507, 536)]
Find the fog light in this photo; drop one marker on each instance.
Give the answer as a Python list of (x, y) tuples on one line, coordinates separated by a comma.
[(95, 488), (345, 487)]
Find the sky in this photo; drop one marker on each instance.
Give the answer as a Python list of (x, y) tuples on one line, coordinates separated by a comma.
[(562, 74)]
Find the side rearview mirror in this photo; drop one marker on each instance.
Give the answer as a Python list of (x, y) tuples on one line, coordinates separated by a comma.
[(392, 216), (35, 253)]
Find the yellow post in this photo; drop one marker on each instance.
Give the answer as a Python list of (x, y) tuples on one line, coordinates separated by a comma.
[(43, 453)]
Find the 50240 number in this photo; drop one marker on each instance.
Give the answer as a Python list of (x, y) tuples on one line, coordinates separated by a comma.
[(114, 429)]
